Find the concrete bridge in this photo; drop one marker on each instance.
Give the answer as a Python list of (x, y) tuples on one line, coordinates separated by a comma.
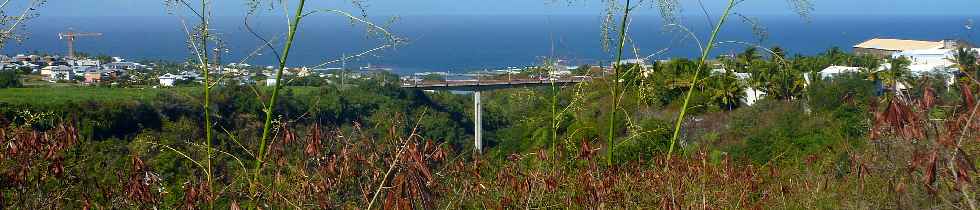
[(477, 86), (481, 85)]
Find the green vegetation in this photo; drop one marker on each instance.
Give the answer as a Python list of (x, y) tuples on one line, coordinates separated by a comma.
[(47, 96), (790, 141), (674, 134), (10, 79), (434, 77)]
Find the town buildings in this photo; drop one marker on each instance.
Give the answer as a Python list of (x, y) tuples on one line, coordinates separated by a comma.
[(54, 68), (934, 58)]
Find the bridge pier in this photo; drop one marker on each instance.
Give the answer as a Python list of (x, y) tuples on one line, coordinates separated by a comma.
[(484, 85), (477, 123)]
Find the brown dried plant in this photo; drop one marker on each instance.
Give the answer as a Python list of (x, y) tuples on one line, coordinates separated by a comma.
[(30, 157), (141, 179), (936, 143)]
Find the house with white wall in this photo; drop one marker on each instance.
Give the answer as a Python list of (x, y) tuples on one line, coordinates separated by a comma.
[(57, 73), (167, 80)]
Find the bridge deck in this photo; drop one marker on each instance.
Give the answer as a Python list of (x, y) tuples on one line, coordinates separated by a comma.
[(491, 84)]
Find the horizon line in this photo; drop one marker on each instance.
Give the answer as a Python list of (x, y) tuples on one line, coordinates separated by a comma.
[(565, 14)]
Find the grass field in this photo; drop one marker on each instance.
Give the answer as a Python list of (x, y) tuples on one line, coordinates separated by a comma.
[(58, 95), (61, 95)]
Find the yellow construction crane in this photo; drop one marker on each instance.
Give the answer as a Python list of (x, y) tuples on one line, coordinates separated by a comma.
[(70, 35)]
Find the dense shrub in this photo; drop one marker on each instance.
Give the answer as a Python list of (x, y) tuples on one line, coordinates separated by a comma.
[(651, 138), (9, 79), (776, 131)]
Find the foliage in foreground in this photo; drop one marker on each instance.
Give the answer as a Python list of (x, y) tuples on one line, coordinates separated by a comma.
[(314, 165)]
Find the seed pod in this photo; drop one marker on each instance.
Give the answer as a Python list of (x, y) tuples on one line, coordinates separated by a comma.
[(967, 94), (928, 98)]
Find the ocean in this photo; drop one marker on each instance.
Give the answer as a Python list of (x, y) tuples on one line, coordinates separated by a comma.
[(459, 43)]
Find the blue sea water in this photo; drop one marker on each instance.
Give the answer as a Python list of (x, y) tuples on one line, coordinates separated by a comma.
[(462, 43)]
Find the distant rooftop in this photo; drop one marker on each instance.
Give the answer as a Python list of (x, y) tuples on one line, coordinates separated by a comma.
[(839, 69), (899, 44)]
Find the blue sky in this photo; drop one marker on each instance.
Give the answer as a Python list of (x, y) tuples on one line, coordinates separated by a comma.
[(504, 7)]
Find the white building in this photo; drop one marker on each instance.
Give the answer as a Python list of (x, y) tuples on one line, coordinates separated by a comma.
[(924, 61), (302, 72), (87, 62), (80, 71), (124, 65), (940, 61), (564, 71), (167, 80), (6, 59), (639, 61), (270, 81), (832, 71), (884, 47), (56, 73), (239, 65), (752, 95)]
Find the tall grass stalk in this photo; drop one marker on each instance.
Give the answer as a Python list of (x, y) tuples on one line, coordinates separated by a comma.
[(206, 70), (554, 118), (200, 48), (690, 91), (615, 102), (266, 128), (553, 66)]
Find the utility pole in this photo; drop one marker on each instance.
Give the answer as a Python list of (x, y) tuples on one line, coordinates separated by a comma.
[(477, 122)]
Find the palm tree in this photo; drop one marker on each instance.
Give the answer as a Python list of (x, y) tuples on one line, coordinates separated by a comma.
[(727, 91), (749, 62), (871, 69), (835, 55), (966, 61), (777, 54), (781, 81), (748, 57), (897, 73), (869, 66)]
